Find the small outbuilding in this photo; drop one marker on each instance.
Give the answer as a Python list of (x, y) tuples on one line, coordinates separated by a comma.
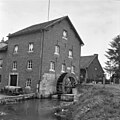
[(91, 69)]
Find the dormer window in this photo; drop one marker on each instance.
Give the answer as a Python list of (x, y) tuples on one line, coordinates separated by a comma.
[(70, 54), (65, 35), (15, 49), (57, 50), (30, 47)]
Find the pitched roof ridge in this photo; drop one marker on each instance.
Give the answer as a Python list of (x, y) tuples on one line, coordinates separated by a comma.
[(43, 26), (57, 20), (92, 57)]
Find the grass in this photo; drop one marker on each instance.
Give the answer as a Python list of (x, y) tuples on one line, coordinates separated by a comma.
[(95, 103)]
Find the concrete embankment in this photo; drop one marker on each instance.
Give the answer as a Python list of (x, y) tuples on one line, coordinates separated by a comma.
[(14, 99)]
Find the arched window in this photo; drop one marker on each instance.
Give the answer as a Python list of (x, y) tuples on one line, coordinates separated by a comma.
[(63, 69), (30, 47), (52, 66), (65, 34), (15, 49), (57, 50)]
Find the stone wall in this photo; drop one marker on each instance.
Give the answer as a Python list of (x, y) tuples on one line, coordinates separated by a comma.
[(48, 85)]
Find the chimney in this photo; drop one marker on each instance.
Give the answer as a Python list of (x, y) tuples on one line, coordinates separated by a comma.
[(96, 55), (2, 40)]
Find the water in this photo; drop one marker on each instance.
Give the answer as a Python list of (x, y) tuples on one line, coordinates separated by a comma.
[(36, 109)]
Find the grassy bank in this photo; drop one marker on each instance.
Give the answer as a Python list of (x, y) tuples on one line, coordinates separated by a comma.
[(95, 103)]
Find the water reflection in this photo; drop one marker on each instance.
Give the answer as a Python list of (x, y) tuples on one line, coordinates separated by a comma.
[(36, 109)]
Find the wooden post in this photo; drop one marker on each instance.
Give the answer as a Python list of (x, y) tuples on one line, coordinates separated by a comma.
[(104, 81), (86, 76)]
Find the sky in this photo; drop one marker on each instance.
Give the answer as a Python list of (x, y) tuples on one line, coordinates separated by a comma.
[(96, 21)]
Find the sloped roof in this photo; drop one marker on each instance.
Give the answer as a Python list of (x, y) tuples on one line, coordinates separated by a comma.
[(43, 26), (3, 46), (85, 61), (33, 28)]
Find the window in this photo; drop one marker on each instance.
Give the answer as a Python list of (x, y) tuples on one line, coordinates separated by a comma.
[(30, 47), (52, 66), (57, 50), (28, 82), (15, 49), (63, 68), (70, 54), (73, 69), (29, 64), (1, 63), (0, 78), (14, 65), (65, 35)]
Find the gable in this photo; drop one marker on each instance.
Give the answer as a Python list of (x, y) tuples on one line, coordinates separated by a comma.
[(85, 61), (88, 61), (95, 64), (44, 26)]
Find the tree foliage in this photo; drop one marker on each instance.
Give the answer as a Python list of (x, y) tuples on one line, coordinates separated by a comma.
[(113, 56)]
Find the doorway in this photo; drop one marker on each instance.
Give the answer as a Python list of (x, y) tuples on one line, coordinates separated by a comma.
[(13, 80)]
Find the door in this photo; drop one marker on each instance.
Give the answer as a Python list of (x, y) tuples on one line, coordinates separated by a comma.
[(13, 80)]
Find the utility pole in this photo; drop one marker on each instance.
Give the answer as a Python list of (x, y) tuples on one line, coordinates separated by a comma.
[(48, 9)]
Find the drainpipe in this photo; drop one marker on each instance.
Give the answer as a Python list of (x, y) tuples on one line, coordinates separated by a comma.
[(79, 61), (41, 58), (86, 75)]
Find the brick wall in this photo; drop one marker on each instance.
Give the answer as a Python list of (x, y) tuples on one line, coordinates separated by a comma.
[(2, 56), (22, 57), (95, 70), (52, 37)]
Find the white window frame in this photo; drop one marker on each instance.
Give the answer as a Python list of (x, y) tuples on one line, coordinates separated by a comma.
[(57, 50), (29, 65), (65, 34), (28, 82), (63, 68), (52, 66), (16, 49), (70, 53), (72, 69), (14, 67), (10, 79), (30, 47)]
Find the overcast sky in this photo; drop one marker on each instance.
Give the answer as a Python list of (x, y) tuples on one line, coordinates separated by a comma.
[(96, 21)]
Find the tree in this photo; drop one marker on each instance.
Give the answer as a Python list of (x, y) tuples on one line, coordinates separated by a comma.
[(113, 56), (109, 68)]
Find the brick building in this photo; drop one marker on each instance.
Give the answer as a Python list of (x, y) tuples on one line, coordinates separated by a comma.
[(91, 69), (3, 53), (39, 55)]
